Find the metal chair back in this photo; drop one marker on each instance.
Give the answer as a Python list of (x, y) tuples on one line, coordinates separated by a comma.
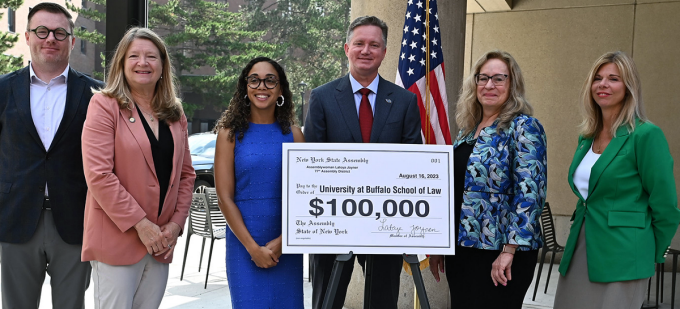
[(205, 220), (548, 226), (549, 245), (214, 215)]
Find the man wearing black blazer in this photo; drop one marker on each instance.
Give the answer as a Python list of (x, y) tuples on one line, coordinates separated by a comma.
[(42, 184), (362, 107)]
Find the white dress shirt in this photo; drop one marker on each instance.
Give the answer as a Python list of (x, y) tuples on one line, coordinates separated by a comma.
[(48, 101), (582, 172), (357, 95)]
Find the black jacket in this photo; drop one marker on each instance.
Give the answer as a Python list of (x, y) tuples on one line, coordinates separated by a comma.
[(25, 165)]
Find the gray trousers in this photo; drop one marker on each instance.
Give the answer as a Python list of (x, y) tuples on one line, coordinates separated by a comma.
[(24, 266), (137, 286)]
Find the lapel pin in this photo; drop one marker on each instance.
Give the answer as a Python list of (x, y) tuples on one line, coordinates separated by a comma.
[(132, 119), (388, 101)]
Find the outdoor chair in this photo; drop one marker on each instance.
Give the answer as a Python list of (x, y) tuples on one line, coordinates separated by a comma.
[(550, 245), (205, 220), (660, 281)]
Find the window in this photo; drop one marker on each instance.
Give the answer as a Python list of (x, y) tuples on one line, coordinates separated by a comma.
[(83, 43), (11, 20)]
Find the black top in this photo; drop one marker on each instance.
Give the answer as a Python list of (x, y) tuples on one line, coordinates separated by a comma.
[(162, 150), (461, 155)]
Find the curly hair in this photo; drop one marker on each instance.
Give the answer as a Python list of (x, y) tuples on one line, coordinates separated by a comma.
[(237, 115)]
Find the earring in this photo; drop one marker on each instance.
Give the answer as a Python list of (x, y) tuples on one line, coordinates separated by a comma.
[(247, 101), (283, 100)]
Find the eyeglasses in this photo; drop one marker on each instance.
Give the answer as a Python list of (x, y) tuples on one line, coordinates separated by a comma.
[(270, 82), (42, 32), (497, 80)]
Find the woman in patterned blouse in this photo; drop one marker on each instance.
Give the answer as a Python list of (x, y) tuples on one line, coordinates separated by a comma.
[(500, 181)]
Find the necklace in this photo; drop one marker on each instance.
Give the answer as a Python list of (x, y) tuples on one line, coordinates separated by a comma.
[(145, 113), (599, 148)]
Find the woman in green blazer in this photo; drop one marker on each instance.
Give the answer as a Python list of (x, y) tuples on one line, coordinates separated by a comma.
[(622, 173)]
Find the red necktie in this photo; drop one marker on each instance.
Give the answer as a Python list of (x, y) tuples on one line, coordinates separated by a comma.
[(365, 115)]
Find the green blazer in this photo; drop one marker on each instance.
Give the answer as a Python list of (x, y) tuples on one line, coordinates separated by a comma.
[(631, 213)]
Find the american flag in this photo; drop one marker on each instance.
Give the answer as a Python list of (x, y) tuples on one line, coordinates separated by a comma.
[(411, 75)]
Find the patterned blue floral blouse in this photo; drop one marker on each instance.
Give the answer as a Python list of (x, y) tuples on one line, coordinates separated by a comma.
[(505, 186)]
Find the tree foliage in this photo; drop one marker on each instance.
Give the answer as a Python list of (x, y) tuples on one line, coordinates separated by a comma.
[(9, 63), (209, 47), (93, 14), (309, 35), (93, 36)]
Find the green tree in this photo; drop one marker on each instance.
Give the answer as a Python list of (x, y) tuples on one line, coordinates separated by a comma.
[(93, 36), (209, 47), (93, 14), (309, 35), (9, 63)]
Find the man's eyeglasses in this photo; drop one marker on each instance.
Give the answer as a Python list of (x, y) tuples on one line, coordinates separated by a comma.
[(270, 82), (42, 32), (497, 80)]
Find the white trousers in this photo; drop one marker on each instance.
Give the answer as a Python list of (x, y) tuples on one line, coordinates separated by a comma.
[(136, 286)]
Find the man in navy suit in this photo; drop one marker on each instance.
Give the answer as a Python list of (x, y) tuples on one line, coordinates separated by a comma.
[(42, 184), (362, 107)]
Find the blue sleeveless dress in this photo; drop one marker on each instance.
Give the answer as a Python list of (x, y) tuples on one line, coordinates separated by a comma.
[(257, 169)]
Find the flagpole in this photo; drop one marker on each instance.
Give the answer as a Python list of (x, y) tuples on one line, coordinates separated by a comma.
[(427, 69)]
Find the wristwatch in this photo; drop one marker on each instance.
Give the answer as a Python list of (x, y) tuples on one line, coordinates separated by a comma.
[(509, 249)]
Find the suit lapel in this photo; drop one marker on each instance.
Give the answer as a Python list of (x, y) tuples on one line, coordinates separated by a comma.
[(382, 109), (581, 151), (137, 130), (21, 89), (74, 91), (607, 156), (345, 99)]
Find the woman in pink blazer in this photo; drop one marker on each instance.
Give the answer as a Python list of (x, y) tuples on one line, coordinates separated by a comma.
[(139, 175)]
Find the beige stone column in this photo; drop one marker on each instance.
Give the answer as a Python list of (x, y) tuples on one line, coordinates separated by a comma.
[(452, 22)]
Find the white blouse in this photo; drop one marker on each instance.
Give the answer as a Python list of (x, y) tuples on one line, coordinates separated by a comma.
[(582, 173)]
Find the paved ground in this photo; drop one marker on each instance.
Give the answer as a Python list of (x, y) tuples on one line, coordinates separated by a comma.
[(190, 294)]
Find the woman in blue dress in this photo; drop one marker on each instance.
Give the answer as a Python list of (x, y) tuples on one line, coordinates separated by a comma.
[(259, 119)]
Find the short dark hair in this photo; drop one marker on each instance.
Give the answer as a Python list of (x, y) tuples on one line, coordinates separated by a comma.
[(52, 8), (367, 21)]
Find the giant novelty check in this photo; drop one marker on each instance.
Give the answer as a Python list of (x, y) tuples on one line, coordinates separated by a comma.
[(368, 198)]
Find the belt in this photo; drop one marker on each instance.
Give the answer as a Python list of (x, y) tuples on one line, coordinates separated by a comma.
[(46, 203)]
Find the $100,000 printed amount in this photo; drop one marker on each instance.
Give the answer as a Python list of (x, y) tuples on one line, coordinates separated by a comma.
[(367, 198)]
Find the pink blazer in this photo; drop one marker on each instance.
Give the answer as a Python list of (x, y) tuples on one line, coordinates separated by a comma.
[(122, 183)]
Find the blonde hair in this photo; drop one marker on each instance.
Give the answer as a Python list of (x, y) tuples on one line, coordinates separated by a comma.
[(468, 109), (632, 101), (165, 103)]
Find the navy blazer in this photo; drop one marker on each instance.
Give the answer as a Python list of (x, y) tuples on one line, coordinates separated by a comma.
[(332, 116), (25, 165)]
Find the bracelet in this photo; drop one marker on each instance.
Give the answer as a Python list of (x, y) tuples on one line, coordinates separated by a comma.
[(508, 249)]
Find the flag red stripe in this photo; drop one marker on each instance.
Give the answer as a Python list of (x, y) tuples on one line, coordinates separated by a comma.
[(424, 121), (441, 111)]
